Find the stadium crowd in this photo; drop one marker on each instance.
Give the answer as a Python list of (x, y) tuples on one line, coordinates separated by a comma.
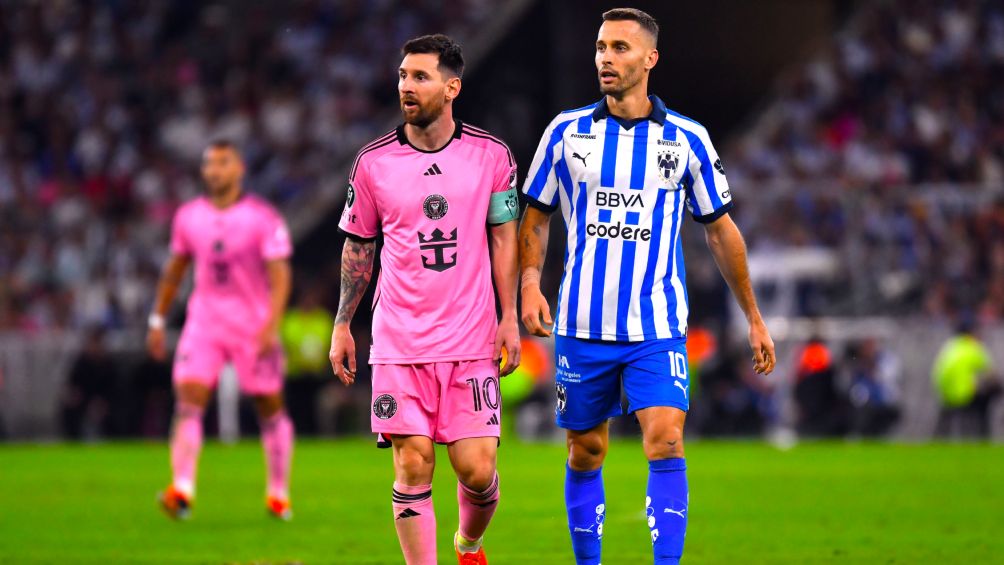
[(910, 95), (106, 106)]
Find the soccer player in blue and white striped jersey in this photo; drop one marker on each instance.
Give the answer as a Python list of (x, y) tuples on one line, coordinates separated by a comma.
[(623, 171)]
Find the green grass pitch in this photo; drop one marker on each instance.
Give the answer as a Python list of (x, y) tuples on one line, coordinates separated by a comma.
[(750, 503)]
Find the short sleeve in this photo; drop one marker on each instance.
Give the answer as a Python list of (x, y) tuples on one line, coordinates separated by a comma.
[(179, 242), (541, 185), (708, 194), (503, 205), (275, 243), (360, 218)]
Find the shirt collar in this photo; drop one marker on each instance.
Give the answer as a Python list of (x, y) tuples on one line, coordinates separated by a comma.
[(658, 114)]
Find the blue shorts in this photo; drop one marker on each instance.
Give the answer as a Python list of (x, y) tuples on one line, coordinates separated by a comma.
[(590, 373)]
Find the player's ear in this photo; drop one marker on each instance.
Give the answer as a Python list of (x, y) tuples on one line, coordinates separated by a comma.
[(452, 87), (652, 59)]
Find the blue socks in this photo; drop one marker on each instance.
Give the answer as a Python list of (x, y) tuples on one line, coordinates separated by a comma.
[(584, 501), (666, 506)]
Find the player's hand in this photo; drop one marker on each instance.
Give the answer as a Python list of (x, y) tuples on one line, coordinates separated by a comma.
[(535, 308), (155, 343), (507, 337), (268, 339), (342, 346), (762, 345)]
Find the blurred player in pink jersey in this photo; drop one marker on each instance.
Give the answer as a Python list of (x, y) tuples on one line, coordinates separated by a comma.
[(442, 194), (241, 248)]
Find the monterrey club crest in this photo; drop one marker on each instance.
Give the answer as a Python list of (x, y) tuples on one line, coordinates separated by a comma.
[(384, 407), (667, 161), (719, 167), (350, 198), (562, 404), (435, 206)]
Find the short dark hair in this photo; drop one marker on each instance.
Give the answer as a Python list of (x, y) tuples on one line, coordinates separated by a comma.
[(646, 21), (451, 57)]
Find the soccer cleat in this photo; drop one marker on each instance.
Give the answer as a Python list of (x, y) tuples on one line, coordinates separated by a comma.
[(175, 504), (476, 558), (279, 508)]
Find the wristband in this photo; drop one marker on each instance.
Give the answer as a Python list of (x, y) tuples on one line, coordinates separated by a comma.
[(155, 322)]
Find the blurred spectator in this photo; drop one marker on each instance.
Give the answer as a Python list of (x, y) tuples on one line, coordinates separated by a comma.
[(964, 384), (731, 399), (821, 406), (87, 397), (105, 107), (874, 381), (306, 337)]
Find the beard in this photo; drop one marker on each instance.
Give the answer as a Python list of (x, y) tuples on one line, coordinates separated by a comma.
[(218, 187), (617, 89), (424, 115)]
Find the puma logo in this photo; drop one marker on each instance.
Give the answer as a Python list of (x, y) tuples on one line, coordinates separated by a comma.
[(581, 158), (677, 512), (683, 388)]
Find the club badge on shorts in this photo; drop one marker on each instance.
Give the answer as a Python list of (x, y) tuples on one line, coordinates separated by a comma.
[(384, 407)]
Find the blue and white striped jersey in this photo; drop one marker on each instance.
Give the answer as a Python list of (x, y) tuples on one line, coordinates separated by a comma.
[(622, 186)]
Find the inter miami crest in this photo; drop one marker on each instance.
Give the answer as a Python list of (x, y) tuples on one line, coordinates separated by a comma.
[(384, 407), (350, 198), (435, 206), (562, 398), (667, 161)]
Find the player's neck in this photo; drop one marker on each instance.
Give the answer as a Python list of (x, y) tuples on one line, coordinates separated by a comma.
[(631, 105), (227, 199), (433, 136)]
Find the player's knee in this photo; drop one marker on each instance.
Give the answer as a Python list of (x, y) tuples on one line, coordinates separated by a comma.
[(268, 405), (586, 452), (667, 443), (478, 475), (414, 466)]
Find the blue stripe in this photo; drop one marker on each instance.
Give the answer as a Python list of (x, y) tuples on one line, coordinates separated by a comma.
[(626, 284), (681, 273), (648, 281), (596, 293), (580, 244), (667, 286), (565, 178), (585, 124), (610, 153), (707, 171), (541, 175), (669, 131), (639, 156)]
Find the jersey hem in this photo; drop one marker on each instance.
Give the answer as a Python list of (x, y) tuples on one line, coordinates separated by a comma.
[(410, 360), (634, 338)]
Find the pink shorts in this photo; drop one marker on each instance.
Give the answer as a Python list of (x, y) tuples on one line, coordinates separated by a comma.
[(200, 358), (443, 401)]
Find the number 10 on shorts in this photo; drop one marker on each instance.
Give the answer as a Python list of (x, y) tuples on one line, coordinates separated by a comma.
[(486, 392), (677, 365)]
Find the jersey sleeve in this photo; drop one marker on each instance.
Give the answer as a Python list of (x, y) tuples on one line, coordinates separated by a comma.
[(503, 205), (360, 218), (541, 185), (179, 242), (708, 194), (275, 241)]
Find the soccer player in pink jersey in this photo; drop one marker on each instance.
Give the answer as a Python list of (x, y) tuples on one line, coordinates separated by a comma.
[(241, 248), (443, 195)]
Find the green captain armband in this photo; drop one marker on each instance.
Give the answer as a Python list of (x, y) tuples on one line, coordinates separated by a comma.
[(503, 207)]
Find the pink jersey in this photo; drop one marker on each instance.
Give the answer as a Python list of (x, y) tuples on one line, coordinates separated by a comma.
[(434, 298), (230, 248)]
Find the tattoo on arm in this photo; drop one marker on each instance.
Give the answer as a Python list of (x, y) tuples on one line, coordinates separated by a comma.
[(357, 269)]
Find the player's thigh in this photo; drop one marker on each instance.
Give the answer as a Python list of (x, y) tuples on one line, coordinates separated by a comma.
[(268, 405), (414, 459), (474, 460), (587, 382), (662, 431), (656, 374), (405, 400), (470, 404), (259, 373), (198, 361)]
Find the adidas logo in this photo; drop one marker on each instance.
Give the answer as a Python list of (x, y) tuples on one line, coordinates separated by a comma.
[(433, 171), (493, 421), (408, 513)]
